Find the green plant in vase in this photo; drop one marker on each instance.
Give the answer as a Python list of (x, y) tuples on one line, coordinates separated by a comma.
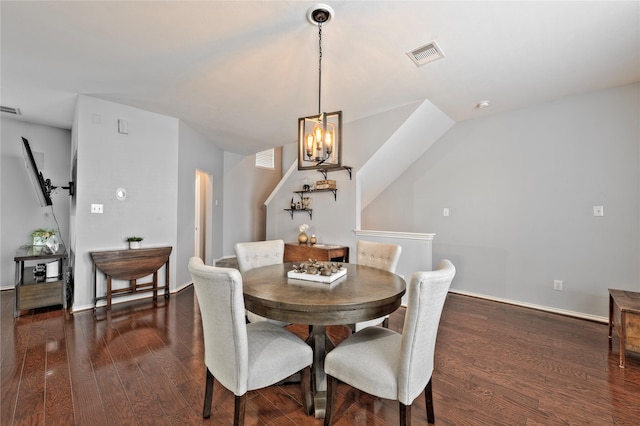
[(134, 242)]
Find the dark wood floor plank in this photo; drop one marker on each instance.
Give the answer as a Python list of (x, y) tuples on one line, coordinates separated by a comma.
[(142, 363), (141, 396), (32, 378), (58, 394)]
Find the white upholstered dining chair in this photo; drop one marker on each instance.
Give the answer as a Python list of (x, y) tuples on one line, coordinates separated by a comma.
[(241, 356), (381, 256), (391, 365), (255, 254)]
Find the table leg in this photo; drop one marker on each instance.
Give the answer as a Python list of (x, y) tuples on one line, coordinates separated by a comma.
[(95, 287), (19, 274), (610, 316), (108, 292), (63, 273), (155, 286), (623, 334), (166, 281), (321, 344)]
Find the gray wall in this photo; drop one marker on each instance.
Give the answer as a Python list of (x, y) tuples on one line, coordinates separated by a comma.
[(246, 189), (20, 210), (145, 163), (333, 220), (197, 153), (521, 187), (156, 162)]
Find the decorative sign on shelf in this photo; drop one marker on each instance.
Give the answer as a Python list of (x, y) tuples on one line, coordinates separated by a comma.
[(326, 184)]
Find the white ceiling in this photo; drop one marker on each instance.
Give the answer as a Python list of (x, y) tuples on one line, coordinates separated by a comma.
[(242, 72)]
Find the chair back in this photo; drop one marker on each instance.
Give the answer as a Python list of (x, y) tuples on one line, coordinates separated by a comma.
[(378, 255), (255, 254), (427, 292), (226, 352)]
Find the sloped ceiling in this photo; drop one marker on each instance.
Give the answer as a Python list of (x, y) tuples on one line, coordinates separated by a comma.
[(242, 72)]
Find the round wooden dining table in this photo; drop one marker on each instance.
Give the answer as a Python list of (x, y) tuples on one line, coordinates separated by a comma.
[(364, 293)]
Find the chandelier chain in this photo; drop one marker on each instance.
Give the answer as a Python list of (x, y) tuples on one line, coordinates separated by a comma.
[(319, 66)]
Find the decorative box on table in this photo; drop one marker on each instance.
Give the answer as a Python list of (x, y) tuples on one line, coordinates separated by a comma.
[(317, 277)]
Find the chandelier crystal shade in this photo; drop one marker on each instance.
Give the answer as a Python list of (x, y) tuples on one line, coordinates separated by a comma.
[(320, 135)]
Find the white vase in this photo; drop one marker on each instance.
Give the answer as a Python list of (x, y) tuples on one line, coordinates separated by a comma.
[(135, 244)]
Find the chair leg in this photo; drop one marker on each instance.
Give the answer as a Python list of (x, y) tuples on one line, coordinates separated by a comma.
[(405, 414), (332, 383), (208, 395), (428, 396), (238, 412), (385, 322), (305, 384)]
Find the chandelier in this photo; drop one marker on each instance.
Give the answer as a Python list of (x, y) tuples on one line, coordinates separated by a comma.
[(320, 135)]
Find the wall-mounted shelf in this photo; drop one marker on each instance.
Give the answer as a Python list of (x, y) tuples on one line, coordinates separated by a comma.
[(310, 211), (334, 169), (334, 191)]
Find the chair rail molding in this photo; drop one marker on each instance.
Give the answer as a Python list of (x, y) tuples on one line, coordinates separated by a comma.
[(416, 250), (394, 235)]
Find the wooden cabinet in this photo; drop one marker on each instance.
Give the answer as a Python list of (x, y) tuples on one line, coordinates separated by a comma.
[(37, 290), (624, 316), (295, 252)]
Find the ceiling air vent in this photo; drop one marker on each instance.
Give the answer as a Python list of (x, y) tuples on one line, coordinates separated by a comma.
[(425, 54), (10, 110)]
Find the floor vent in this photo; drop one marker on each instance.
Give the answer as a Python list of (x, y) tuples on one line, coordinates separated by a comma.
[(10, 110), (425, 54)]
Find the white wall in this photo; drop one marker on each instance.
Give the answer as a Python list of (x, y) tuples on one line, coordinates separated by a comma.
[(20, 210), (334, 220), (145, 163), (520, 187), (197, 153), (246, 187)]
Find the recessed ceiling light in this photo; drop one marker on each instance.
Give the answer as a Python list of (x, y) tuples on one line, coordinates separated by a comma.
[(483, 104)]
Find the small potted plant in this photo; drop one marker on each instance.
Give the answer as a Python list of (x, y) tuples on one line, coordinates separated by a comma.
[(134, 242), (40, 236)]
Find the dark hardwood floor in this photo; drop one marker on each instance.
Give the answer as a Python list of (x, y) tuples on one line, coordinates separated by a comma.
[(496, 364)]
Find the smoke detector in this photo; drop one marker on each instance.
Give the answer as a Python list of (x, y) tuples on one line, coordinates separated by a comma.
[(424, 54)]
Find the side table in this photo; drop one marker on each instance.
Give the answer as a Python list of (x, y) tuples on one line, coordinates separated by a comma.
[(624, 316), (38, 291), (130, 265)]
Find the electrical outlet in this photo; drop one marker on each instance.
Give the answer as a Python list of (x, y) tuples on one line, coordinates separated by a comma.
[(598, 210), (445, 212), (557, 285), (96, 208)]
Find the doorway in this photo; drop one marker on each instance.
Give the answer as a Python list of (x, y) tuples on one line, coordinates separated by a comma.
[(203, 215)]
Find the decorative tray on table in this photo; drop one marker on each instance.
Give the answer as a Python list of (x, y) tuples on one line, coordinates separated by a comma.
[(322, 272)]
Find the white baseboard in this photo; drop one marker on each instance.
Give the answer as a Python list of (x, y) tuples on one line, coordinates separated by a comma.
[(116, 301), (580, 315)]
